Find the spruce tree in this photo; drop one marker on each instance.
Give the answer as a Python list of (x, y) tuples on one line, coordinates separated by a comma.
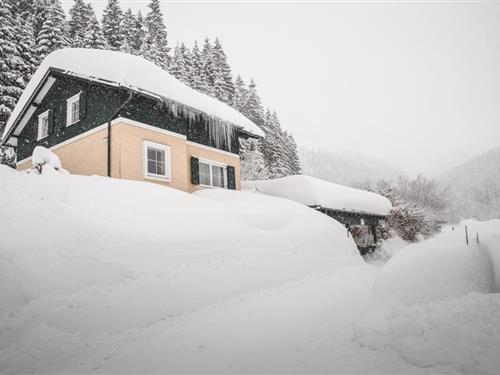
[(253, 106), (223, 80), (10, 64), (154, 45), (292, 154), (112, 19), (253, 165), (79, 18), (177, 64), (195, 80), (129, 23), (26, 47), (138, 34), (207, 68), (53, 34), (240, 94), (94, 38)]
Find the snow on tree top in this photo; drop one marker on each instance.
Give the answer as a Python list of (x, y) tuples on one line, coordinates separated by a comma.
[(312, 191), (134, 73)]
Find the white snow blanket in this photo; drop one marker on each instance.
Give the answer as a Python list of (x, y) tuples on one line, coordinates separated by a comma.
[(135, 73), (111, 276), (313, 191)]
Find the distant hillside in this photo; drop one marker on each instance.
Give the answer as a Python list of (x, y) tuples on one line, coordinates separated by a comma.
[(343, 167), (474, 187)]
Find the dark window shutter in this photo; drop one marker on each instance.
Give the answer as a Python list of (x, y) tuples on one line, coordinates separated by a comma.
[(51, 121), (83, 105), (64, 108), (195, 171), (231, 178)]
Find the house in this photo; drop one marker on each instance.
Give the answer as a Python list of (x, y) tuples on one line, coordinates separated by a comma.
[(360, 211), (113, 114)]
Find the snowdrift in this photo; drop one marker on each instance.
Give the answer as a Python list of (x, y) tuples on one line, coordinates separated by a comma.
[(91, 255), (313, 191), (436, 303)]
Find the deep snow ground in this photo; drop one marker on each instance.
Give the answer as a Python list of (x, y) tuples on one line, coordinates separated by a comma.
[(109, 276)]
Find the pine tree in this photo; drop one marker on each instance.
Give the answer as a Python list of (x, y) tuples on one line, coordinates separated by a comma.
[(94, 38), (253, 105), (180, 64), (154, 45), (53, 34), (26, 47), (112, 25), (41, 12), (207, 68), (240, 94), (129, 23), (138, 34), (292, 154), (273, 146), (10, 64), (78, 23), (253, 165), (195, 80), (223, 80)]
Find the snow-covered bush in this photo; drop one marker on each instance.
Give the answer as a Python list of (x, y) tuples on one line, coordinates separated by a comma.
[(7, 156), (43, 156)]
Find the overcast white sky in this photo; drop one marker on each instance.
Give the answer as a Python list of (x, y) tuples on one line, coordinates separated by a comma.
[(415, 84)]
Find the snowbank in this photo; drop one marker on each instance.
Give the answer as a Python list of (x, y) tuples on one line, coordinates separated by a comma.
[(312, 191), (43, 156), (440, 267), (83, 256), (135, 73)]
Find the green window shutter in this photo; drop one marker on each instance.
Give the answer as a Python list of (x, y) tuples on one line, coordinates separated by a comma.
[(195, 171), (231, 178), (83, 105), (51, 121), (64, 107)]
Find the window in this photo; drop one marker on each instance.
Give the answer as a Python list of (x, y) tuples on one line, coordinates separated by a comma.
[(73, 110), (43, 125), (157, 160), (212, 174)]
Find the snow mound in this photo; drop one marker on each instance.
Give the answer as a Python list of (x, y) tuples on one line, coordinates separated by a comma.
[(43, 156), (135, 73), (440, 267), (312, 191), (105, 255)]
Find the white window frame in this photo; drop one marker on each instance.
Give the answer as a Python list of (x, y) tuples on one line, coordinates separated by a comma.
[(168, 162), (69, 111), (211, 163), (41, 117)]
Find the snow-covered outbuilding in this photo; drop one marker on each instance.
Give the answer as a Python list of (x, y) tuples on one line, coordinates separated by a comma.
[(351, 207), (111, 113)]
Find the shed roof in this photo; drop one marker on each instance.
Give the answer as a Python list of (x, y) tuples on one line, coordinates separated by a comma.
[(312, 191)]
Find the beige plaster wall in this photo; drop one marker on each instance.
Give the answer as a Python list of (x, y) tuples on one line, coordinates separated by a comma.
[(88, 156), (204, 153)]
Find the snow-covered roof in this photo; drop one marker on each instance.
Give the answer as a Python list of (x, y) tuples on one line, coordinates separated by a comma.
[(312, 191), (132, 72)]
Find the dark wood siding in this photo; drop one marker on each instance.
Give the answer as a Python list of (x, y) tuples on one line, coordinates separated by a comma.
[(101, 101)]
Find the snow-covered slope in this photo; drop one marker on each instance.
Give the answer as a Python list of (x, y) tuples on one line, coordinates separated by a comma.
[(343, 166), (474, 187), (312, 191), (135, 73)]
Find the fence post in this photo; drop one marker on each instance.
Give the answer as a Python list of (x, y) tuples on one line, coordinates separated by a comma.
[(466, 236), (477, 237)]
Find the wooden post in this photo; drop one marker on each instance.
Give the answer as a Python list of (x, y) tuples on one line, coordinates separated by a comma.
[(477, 237), (466, 236), (374, 230)]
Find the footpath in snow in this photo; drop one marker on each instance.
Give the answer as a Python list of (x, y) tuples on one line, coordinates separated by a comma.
[(113, 276)]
